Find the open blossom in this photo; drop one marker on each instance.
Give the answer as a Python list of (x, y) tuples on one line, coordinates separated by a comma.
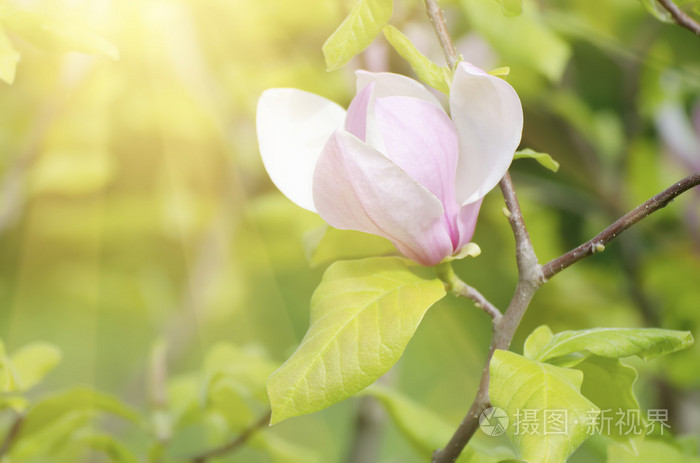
[(394, 164)]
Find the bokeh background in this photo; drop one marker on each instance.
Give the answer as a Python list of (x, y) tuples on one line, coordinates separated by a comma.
[(137, 222)]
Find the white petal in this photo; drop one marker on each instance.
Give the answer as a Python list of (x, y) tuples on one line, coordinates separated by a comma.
[(489, 120), (293, 126)]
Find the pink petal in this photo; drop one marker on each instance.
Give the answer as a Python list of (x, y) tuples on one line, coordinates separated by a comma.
[(489, 120), (358, 188), (422, 140), (293, 126), (356, 119)]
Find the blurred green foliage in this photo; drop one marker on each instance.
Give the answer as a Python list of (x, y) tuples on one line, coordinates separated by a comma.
[(134, 207)]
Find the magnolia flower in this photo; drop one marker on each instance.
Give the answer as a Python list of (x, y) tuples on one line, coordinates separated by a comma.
[(394, 164)]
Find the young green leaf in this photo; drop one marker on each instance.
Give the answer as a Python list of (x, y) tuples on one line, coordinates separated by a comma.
[(363, 314), (544, 159), (438, 77), (552, 417), (536, 341), (357, 31), (646, 343), (326, 244), (52, 34), (32, 362), (511, 7), (609, 383), (9, 57)]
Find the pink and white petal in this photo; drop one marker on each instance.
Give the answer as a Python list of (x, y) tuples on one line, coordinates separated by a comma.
[(390, 84), (356, 119), (358, 188), (489, 118), (293, 126), (466, 222), (422, 140)]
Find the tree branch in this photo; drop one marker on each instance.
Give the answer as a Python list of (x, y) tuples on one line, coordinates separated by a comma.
[(440, 26), (681, 18), (234, 444), (597, 243), (529, 280)]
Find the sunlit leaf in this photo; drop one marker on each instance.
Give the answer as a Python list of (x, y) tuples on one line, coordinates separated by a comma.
[(53, 34), (326, 244), (438, 77), (561, 414), (9, 57), (646, 343), (357, 31), (34, 361), (544, 159), (363, 314), (536, 341)]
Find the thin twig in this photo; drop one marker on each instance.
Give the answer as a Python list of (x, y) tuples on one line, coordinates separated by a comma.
[(597, 243), (234, 444), (681, 18), (458, 287), (440, 26), (11, 436)]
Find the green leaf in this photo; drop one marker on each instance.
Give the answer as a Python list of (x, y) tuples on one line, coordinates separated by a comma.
[(438, 77), (536, 341), (609, 384), (357, 31), (650, 451), (9, 57), (519, 385), (544, 159), (646, 343), (52, 34), (511, 7), (32, 362), (421, 427), (363, 314), (428, 431), (51, 409), (108, 445), (657, 11), (327, 244)]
